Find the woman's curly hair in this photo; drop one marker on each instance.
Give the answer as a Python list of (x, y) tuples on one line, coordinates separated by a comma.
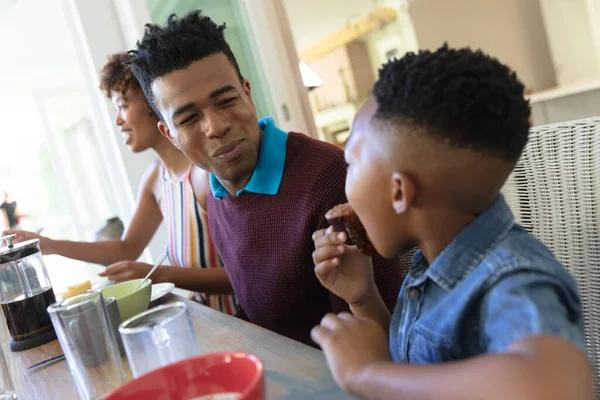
[(116, 75)]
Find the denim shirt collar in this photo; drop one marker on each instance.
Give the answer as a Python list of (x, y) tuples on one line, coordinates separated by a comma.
[(268, 172), (469, 248)]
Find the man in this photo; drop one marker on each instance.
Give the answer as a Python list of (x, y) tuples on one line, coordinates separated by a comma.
[(270, 189)]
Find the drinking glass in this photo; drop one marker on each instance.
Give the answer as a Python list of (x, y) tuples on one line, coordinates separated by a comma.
[(158, 337), (89, 344), (7, 391)]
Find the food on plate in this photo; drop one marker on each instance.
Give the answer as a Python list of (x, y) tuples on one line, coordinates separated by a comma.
[(78, 289), (343, 219)]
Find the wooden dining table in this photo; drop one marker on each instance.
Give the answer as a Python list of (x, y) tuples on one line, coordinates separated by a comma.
[(294, 371)]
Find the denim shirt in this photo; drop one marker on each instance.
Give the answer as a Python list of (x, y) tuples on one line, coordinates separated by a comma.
[(493, 285)]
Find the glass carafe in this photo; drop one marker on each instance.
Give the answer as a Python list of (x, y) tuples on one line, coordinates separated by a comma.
[(25, 294)]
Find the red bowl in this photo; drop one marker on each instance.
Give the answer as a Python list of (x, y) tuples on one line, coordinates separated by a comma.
[(209, 374)]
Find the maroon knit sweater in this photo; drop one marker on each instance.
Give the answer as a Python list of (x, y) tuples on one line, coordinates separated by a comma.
[(266, 244)]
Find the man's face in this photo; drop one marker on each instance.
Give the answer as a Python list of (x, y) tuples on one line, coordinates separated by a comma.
[(209, 114), (370, 184)]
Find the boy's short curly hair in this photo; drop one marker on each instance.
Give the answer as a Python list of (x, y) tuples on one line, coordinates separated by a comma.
[(460, 96), (116, 76), (175, 46)]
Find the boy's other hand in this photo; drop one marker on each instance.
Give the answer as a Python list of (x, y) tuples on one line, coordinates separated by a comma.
[(126, 271), (350, 345), (342, 269)]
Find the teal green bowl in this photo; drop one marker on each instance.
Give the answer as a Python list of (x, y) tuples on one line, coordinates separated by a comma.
[(129, 301)]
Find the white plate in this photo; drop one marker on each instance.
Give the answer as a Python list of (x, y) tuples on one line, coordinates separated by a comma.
[(161, 289)]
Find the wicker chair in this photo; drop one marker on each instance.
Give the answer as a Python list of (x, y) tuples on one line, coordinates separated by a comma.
[(554, 192)]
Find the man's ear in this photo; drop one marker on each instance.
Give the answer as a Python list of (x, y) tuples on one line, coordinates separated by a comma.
[(248, 91), (163, 128), (403, 192)]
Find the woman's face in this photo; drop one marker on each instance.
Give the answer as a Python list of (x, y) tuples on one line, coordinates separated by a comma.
[(136, 120)]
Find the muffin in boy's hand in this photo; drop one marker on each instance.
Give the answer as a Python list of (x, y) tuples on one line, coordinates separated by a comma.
[(343, 219)]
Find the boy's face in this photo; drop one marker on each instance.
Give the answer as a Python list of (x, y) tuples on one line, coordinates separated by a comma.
[(372, 185), (209, 114)]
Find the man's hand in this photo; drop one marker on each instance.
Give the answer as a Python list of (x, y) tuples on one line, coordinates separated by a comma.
[(341, 269), (350, 345), (126, 271), (23, 236)]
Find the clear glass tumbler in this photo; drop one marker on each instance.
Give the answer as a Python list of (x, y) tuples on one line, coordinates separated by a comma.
[(7, 391), (89, 344), (158, 337)]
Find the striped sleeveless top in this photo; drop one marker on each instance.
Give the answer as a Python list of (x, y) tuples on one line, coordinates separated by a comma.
[(190, 244)]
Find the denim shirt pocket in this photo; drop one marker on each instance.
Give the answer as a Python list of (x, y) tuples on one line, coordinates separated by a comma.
[(426, 346)]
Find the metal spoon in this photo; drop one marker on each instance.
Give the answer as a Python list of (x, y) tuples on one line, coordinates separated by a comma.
[(158, 263)]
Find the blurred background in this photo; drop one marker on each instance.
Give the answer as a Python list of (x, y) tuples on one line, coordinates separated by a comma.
[(311, 63)]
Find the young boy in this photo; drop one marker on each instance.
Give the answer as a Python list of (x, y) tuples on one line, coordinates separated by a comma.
[(486, 308)]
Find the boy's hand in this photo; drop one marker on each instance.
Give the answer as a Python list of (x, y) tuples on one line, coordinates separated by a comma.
[(341, 269), (350, 345), (126, 271)]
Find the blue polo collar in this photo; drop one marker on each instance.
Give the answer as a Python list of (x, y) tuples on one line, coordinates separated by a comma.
[(268, 172)]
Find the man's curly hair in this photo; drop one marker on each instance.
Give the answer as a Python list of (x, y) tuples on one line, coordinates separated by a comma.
[(181, 42), (460, 96), (116, 76)]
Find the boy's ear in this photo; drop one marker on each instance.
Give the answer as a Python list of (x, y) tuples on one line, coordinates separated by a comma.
[(163, 128), (403, 192)]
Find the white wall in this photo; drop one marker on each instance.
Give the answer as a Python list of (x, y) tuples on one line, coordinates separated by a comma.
[(132, 15), (32, 62), (511, 30), (593, 11), (571, 26), (585, 104)]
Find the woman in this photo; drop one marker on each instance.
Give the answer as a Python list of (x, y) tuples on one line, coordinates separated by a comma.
[(172, 189)]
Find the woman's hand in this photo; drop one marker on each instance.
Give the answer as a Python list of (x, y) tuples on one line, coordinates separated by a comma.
[(126, 271), (23, 236)]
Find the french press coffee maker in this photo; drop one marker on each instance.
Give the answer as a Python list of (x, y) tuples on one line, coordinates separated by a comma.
[(25, 294)]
